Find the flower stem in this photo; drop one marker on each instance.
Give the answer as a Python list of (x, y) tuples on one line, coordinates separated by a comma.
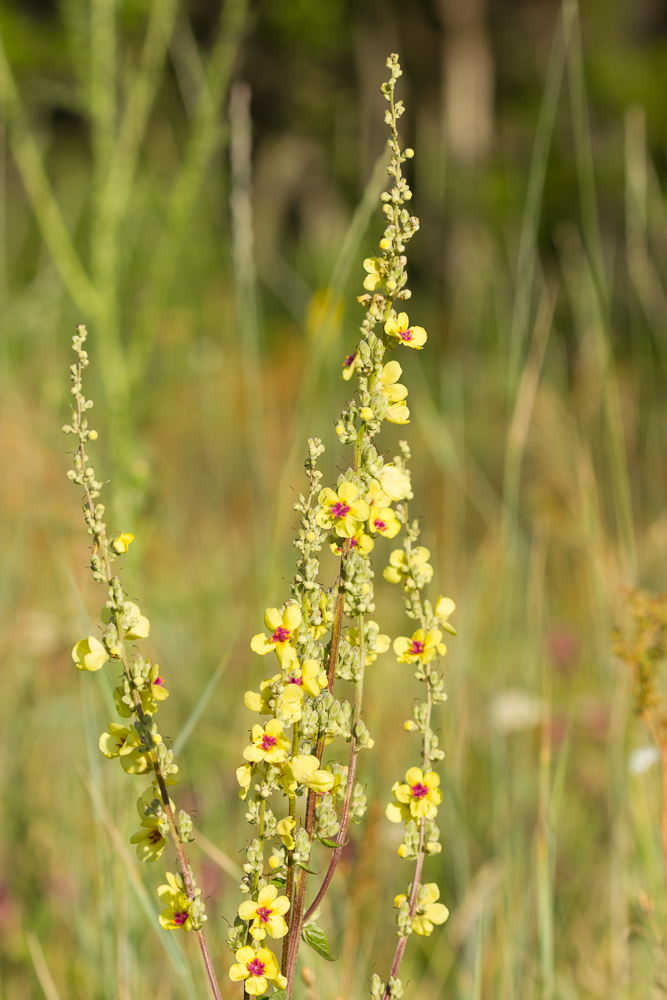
[(426, 762), (351, 775)]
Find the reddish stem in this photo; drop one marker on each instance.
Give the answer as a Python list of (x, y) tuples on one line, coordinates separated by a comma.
[(402, 942), (340, 838), (291, 948)]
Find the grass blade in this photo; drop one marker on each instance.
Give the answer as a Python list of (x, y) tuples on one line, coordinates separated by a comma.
[(41, 968), (203, 700), (172, 949)]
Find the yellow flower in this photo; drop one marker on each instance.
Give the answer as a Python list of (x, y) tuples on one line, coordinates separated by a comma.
[(177, 914), (89, 654), (350, 365), (133, 623), (268, 744), (258, 969), (443, 609), (284, 831), (428, 912), (394, 482), (290, 703), (121, 742), (360, 540), (284, 627), (313, 677), (419, 796), (397, 412), (382, 644), (260, 701), (373, 279), (376, 498), (156, 691), (266, 913), (123, 542), (244, 777), (384, 522), (118, 741), (149, 840), (341, 510), (150, 695), (399, 566), (304, 769), (422, 646), (409, 336)]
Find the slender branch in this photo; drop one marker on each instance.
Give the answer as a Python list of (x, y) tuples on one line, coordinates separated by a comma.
[(426, 760), (101, 542), (351, 775), (402, 941)]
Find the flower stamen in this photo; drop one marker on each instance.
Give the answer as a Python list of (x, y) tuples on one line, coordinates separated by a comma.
[(255, 968)]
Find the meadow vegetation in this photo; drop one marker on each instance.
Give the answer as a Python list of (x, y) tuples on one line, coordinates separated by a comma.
[(210, 237)]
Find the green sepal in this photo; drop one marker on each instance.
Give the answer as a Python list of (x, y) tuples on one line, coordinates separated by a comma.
[(304, 868), (279, 995), (318, 941)]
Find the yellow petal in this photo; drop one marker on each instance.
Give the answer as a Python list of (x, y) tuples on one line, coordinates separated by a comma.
[(273, 619), (260, 644), (415, 775), (253, 701), (394, 813), (248, 910), (266, 895), (292, 617), (348, 492)]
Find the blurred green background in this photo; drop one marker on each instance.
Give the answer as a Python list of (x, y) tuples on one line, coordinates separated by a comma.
[(198, 183)]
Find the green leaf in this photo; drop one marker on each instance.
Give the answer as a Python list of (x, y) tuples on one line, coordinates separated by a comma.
[(332, 843), (317, 939), (297, 864)]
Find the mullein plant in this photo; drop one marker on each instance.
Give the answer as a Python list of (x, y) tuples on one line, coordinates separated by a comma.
[(293, 798)]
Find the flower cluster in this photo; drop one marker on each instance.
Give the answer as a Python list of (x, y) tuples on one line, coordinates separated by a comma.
[(294, 796), (136, 741)]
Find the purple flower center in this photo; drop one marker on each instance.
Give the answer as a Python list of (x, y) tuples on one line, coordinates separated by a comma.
[(155, 836), (340, 509), (264, 913), (416, 647), (255, 968), (180, 918), (159, 681), (406, 334), (294, 680), (349, 359), (281, 634), (267, 742), (419, 790), (380, 525)]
